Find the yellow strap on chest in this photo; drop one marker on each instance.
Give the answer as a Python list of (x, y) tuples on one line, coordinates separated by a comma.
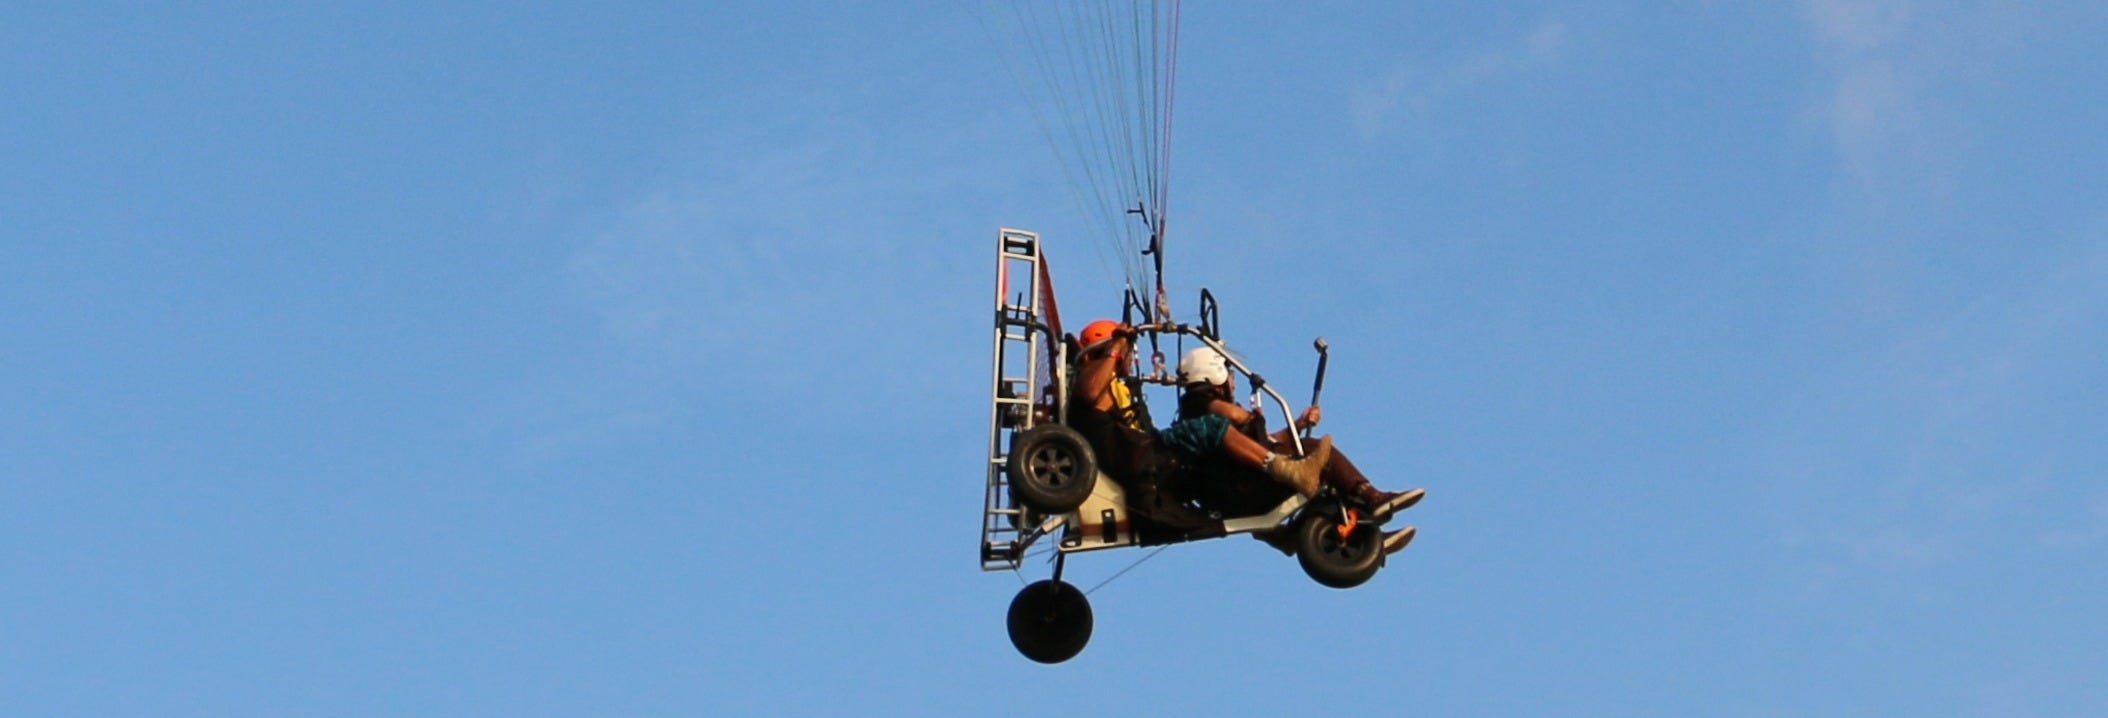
[(1124, 404)]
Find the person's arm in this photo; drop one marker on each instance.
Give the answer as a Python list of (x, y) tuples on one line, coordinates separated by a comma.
[(1095, 383), (1236, 414), (1099, 368), (1310, 417)]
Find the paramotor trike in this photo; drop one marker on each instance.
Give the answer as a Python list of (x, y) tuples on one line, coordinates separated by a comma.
[(1045, 482)]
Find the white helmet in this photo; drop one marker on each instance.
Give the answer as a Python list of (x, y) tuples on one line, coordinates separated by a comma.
[(1203, 365)]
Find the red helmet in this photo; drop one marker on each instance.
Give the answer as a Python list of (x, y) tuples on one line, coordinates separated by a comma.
[(1099, 331)]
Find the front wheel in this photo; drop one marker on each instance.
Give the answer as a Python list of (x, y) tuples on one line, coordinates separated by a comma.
[(1050, 621), (1332, 559)]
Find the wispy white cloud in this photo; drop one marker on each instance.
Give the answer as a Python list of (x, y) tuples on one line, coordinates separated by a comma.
[(724, 245), (1892, 68), (663, 268), (1894, 547), (680, 299), (1858, 25), (1873, 110), (694, 263), (1930, 451), (1935, 402), (2089, 530), (1410, 94), (764, 233)]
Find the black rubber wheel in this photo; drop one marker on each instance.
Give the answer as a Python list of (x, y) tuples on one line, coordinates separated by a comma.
[(1050, 621), (1051, 468), (1332, 560)]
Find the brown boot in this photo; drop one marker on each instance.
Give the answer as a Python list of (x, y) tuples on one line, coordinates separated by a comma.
[(1383, 504), (1395, 541), (1302, 473)]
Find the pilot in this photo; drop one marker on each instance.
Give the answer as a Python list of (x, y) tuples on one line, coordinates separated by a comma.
[(1208, 390)]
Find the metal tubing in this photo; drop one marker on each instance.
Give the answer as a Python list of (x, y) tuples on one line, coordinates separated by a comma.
[(1234, 363)]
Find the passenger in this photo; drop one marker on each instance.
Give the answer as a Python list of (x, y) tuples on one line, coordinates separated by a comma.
[(1106, 413), (1208, 390)]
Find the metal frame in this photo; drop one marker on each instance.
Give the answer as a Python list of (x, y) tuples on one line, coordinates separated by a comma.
[(1007, 530), (1258, 382), (1004, 534)]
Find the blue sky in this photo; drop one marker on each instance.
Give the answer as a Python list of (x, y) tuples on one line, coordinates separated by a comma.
[(479, 359)]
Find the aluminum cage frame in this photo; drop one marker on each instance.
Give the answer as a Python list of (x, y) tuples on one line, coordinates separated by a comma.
[(1023, 337)]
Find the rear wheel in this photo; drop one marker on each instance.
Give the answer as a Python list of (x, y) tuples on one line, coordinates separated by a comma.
[(1051, 468), (1332, 559), (1050, 621)]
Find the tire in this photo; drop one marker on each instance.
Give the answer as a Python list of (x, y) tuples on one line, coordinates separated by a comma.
[(1334, 561), (1051, 468), (1050, 621)]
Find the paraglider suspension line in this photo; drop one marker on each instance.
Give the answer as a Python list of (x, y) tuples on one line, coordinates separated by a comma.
[(1130, 567)]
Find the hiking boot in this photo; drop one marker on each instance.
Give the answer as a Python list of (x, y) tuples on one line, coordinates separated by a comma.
[(1280, 539), (1383, 503), (1302, 473), (1395, 541)]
